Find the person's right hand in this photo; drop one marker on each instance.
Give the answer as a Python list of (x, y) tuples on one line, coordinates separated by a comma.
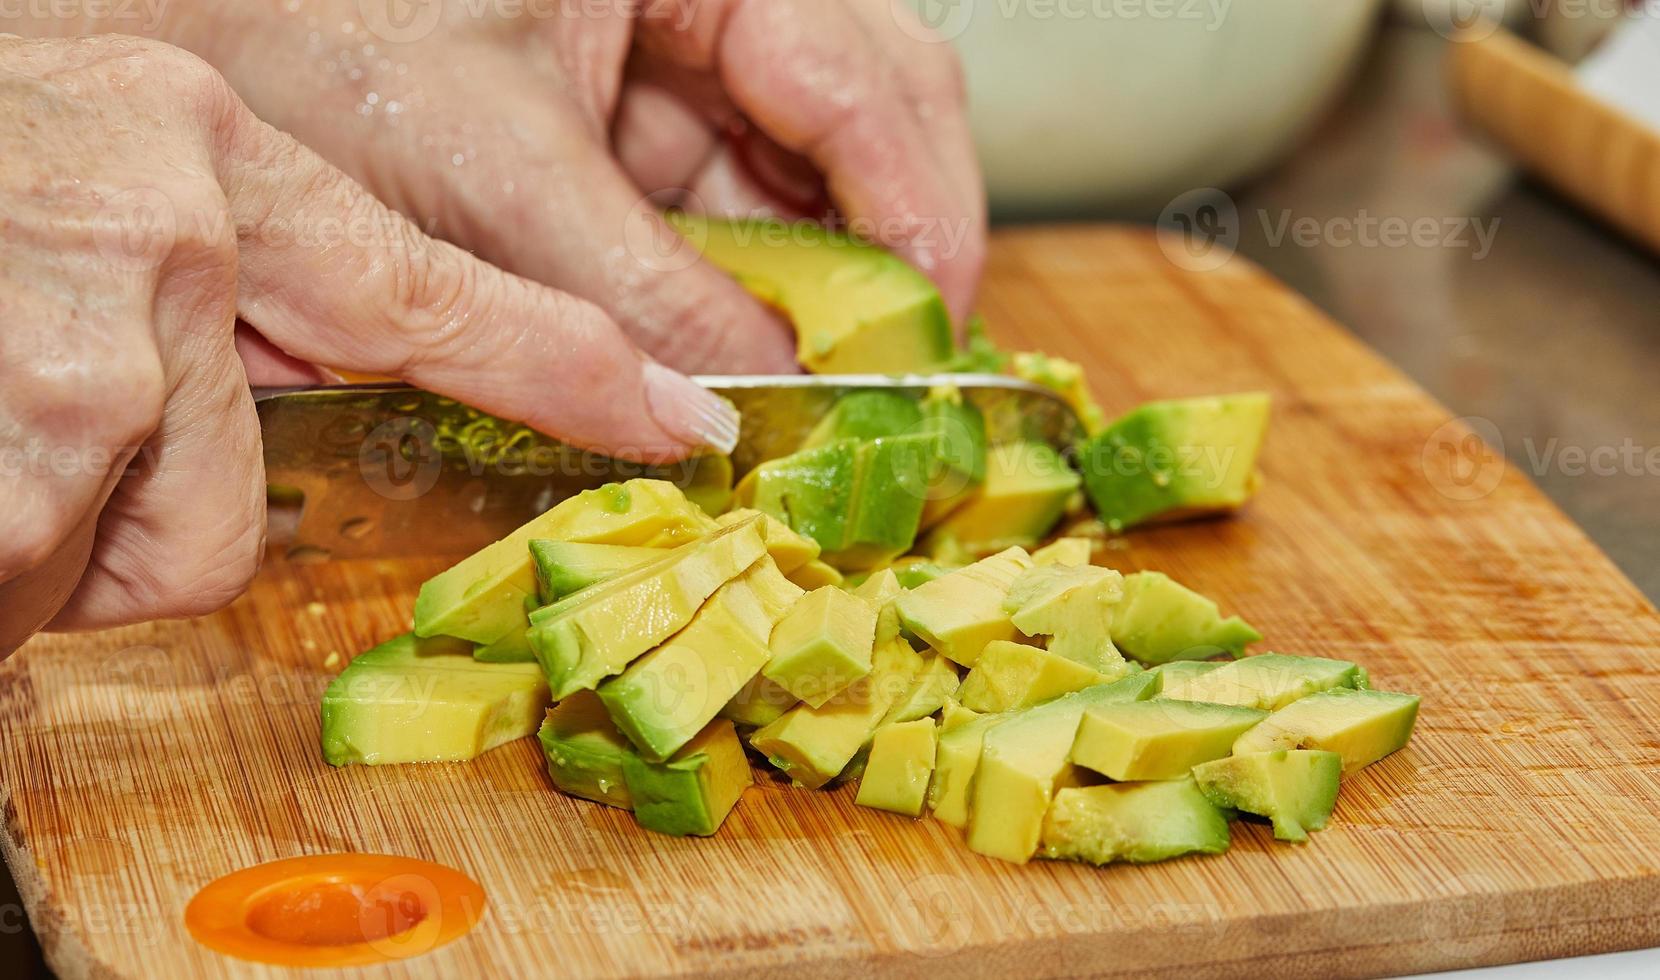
[(143, 210)]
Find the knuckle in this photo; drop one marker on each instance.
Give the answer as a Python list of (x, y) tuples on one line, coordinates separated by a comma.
[(213, 575), (109, 397), (32, 538)]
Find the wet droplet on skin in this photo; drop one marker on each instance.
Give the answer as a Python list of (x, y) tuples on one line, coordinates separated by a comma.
[(373, 98), (458, 159)]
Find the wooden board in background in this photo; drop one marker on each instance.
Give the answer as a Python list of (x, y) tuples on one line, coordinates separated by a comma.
[(1522, 822)]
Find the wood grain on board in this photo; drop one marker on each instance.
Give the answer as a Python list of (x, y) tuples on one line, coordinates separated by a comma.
[(1522, 822)]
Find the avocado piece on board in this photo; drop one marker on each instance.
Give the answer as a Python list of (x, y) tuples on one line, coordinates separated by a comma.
[(1026, 490), (585, 752), (900, 765), (1065, 378), (788, 549), (1360, 726), (882, 590), (1010, 676), (596, 633), (1296, 789), (956, 759), (1159, 621), (426, 700), (814, 574), (822, 645), (1073, 606), (1176, 459), (1022, 762), (865, 415), (1158, 739), (482, 597), (1065, 551), (813, 745), (759, 702), (958, 614), (1268, 681), (693, 792), (1138, 822), (564, 567), (671, 693), (857, 309), (959, 430), (932, 687), (812, 491), (894, 477)]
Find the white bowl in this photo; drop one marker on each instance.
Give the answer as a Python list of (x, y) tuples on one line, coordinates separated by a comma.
[(1122, 105)]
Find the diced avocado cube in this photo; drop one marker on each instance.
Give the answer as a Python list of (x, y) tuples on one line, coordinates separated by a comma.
[(813, 492), (894, 477), (691, 793), (1026, 491), (426, 700), (1360, 726), (1269, 681), (1160, 620), (788, 549), (958, 614), (856, 308), (954, 714), (585, 752), (1065, 551), (482, 598), (1175, 459), (1158, 739), (1073, 605), (814, 574), (1295, 789), (866, 415), (1065, 378), (959, 429), (564, 567), (759, 702), (955, 762), (822, 645), (1009, 676), (1022, 762), (934, 684), (596, 633), (1138, 822), (900, 765), (670, 694)]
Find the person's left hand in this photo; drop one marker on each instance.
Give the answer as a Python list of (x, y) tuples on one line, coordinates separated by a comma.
[(532, 131)]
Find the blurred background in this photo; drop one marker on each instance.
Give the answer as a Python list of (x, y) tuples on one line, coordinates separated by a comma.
[(1524, 313)]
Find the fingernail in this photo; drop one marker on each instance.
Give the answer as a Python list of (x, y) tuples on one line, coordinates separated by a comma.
[(688, 411)]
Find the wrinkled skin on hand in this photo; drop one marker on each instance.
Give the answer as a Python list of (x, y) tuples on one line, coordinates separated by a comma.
[(143, 211)]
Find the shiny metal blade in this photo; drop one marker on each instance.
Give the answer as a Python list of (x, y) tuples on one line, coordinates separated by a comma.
[(375, 471)]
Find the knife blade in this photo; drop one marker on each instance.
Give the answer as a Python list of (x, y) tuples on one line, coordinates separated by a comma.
[(387, 470)]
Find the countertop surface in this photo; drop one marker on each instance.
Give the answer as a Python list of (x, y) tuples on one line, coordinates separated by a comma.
[(1545, 332)]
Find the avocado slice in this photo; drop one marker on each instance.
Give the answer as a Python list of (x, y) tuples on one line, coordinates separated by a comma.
[(1010, 676), (1296, 789), (426, 700), (933, 685), (482, 597), (1065, 551), (856, 308), (1176, 459), (899, 768), (812, 491), (1073, 606), (1022, 762), (788, 549), (564, 567), (596, 633), (1360, 726), (514, 648), (894, 479), (1179, 671), (866, 415), (693, 792), (585, 752), (959, 430), (1026, 490), (1160, 620), (954, 714), (668, 695), (814, 574), (1139, 822), (958, 614), (1158, 739), (822, 645), (1268, 681), (955, 762)]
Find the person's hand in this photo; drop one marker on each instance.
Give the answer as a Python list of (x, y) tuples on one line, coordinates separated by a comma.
[(532, 133), (143, 209)]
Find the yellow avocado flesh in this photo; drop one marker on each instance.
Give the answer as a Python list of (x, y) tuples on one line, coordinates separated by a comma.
[(1295, 789), (598, 632), (1022, 762), (482, 598), (1160, 621), (693, 792), (670, 694), (955, 762), (1158, 739), (856, 308), (933, 685), (882, 590), (958, 614), (1010, 676), (813, 745), (1138, 822), (1025, 493), (1360, 726), (814, 574), (415, 700), (1269, 681), (1065, 551), (822, 645), (566, 567), (1074, 607), (585, 752), (788, 549), (901, 762), (953, 714), (759, 702)]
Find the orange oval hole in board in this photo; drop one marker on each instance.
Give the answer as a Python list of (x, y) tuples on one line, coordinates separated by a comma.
[(334, 910)]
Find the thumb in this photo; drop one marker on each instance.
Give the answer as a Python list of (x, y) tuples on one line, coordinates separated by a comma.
[(330, 275)]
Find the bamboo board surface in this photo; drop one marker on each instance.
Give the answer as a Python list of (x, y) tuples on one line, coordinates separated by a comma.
[(1522, 822)]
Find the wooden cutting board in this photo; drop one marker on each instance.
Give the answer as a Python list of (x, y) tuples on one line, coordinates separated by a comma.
[(1522, 822)]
